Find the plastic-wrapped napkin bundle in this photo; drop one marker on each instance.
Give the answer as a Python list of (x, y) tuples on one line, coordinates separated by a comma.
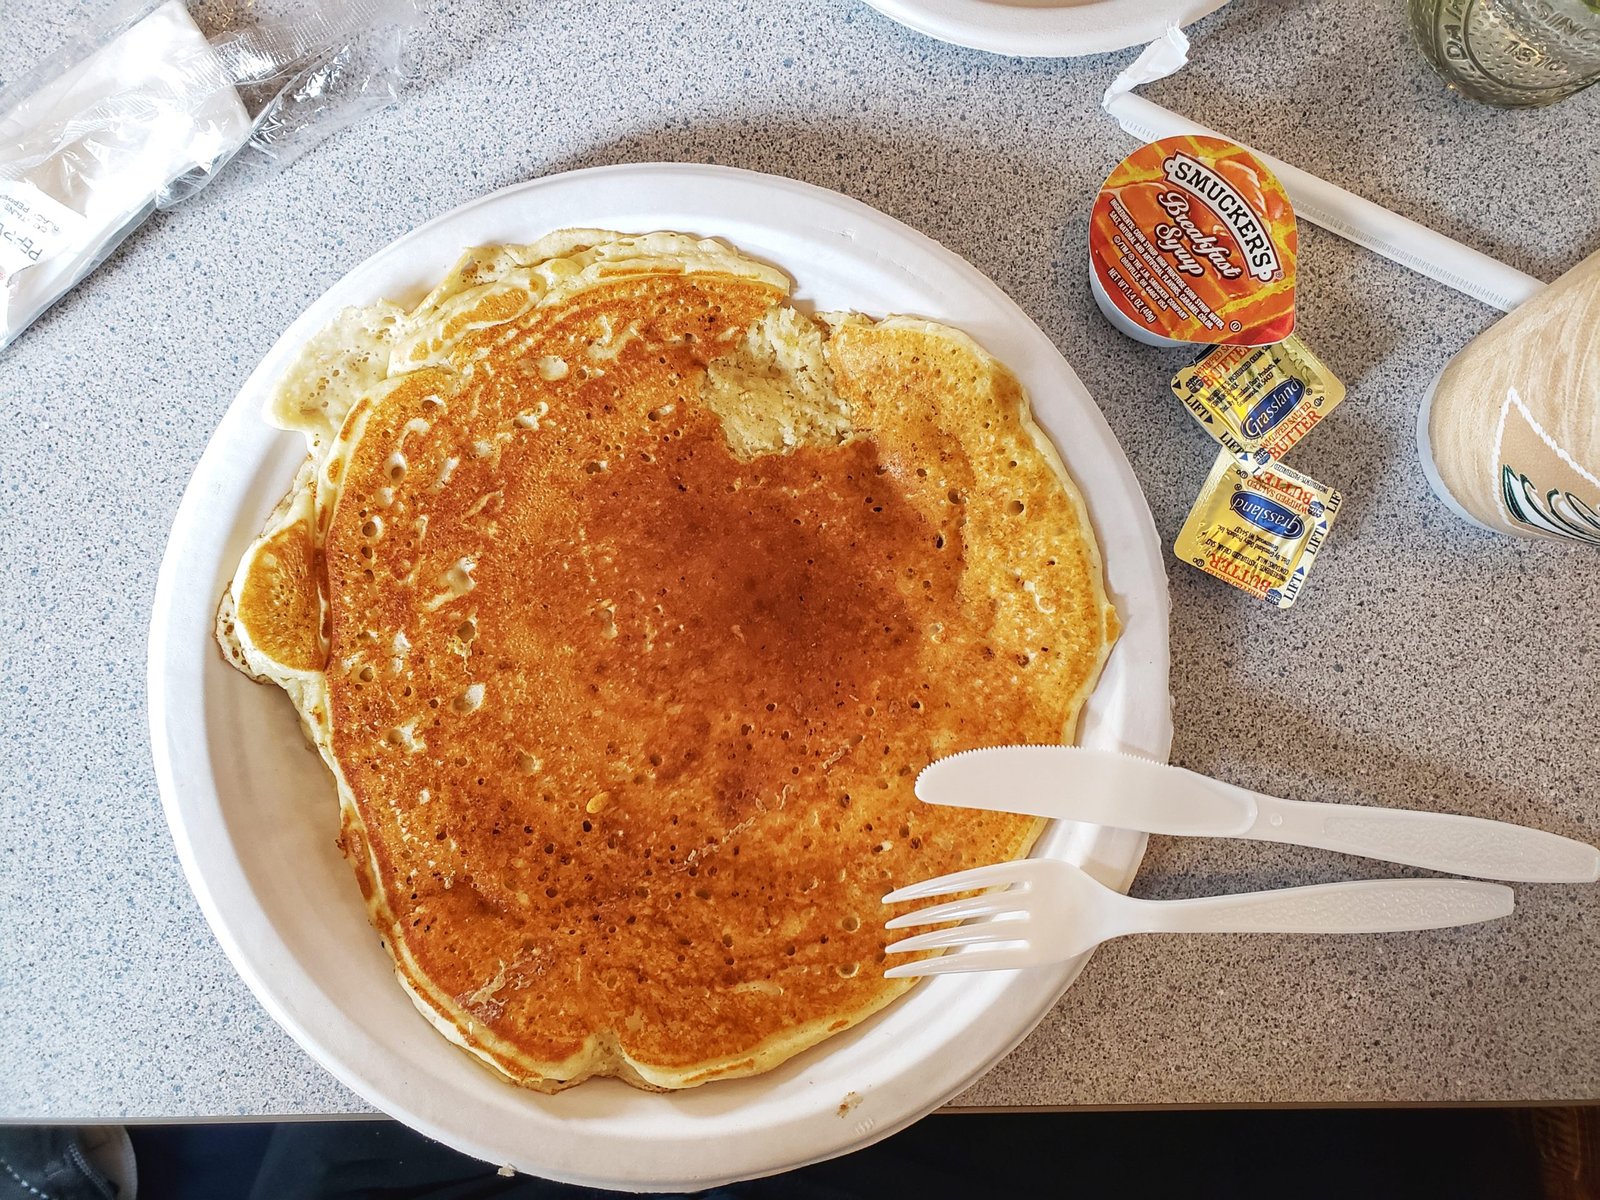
[(91, 145), (84, 159)]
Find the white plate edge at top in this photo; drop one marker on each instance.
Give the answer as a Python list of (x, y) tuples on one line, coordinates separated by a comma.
[(1048, 30), (651, 1153)]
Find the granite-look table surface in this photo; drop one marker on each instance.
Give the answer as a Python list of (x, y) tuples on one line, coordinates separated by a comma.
[(1428, 663)]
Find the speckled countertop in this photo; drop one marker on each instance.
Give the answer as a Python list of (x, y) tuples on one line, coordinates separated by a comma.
[(1428, 663)]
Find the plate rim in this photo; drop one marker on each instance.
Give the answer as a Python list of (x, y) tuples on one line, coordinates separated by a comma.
[(173, 779), (1026, 31)]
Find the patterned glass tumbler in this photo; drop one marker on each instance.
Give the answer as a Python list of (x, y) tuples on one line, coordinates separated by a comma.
[(1511, 52)]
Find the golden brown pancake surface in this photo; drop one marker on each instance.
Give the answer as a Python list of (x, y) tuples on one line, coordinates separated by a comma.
[(627, 690)]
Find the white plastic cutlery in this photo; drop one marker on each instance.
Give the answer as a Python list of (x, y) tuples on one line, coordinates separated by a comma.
[(1055, 911), (1107, 788)]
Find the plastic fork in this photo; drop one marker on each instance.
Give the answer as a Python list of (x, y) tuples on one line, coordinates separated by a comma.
[(1054, 911)]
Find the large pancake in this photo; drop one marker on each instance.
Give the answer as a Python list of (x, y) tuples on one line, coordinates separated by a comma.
[(624, 603)]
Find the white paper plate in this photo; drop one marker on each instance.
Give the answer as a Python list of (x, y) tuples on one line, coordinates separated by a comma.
[(254, 814), (1045, 28)]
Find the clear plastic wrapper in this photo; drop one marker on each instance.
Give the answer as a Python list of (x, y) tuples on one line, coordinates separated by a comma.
[(144, 109)]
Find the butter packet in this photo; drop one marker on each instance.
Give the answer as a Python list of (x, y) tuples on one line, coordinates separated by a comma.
[(1259, 532), (1258, 401)]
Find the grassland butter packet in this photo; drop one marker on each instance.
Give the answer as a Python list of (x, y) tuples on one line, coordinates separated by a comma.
[(1257, 402), (1260, 532)]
